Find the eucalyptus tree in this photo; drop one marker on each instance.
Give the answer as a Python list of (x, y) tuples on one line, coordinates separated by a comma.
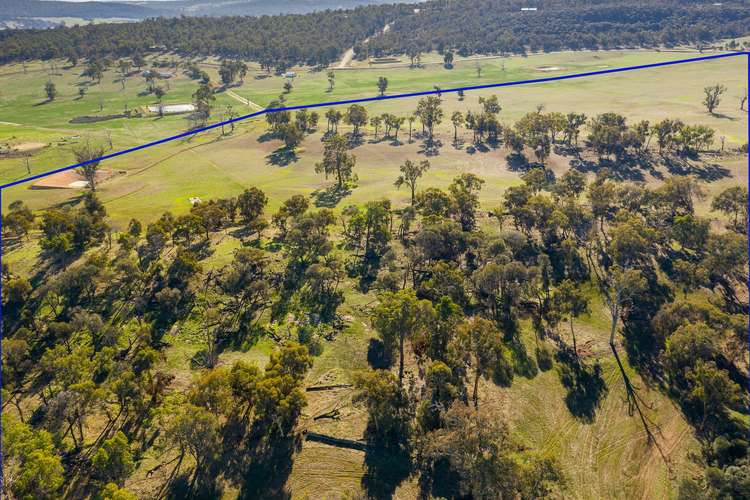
[(410, 173)]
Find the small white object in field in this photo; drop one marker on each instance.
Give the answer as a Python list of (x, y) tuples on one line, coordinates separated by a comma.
[(173, 109)]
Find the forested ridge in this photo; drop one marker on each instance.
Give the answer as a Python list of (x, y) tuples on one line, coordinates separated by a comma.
[(313, 39), (173, 8), (490, 26), (464, 26), (452, 287)]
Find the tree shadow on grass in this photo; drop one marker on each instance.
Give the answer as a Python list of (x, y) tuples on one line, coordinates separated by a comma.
[(585, 385), (517, 162), (179, 488), (708, 172), (724, 117), (331, 196), (431, 148), (245, 231), (523, 364), (354, 141), (247, 336), (258, 464), (377, 356), (481, 147), (266, 136), (282, 157), (267, 475), (386, 467), (440, 481), (199, 360), (626, 168)]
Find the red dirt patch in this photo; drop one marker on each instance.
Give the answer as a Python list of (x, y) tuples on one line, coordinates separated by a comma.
[(69, 179)]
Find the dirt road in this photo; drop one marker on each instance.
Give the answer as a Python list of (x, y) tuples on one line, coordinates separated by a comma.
[(244, 101), (346, 59)]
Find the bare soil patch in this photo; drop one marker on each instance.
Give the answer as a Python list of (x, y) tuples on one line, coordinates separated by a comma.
[(69, 179), (29, 146)]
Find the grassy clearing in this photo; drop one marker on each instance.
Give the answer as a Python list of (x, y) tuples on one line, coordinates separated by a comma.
[(649, 94), (166, 176)]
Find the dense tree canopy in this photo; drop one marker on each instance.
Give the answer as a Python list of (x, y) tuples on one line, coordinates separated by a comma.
[(464, 27)]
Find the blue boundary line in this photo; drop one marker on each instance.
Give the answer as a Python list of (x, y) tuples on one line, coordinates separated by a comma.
[(369, 99), (352, 101)]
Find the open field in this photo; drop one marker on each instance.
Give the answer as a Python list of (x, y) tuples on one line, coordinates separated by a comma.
[(25, 114), (211, 165), (604, 458)]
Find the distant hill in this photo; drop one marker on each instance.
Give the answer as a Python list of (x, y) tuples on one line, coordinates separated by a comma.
[(85, 10), (27, 9), (263, 7)]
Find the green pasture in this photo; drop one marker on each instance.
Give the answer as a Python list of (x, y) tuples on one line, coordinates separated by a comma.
[(27, 116), (210, 165)]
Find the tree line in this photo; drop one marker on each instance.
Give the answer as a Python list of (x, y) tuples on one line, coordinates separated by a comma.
[(273, 41), (496, 27), (465, 27), (610, 137)]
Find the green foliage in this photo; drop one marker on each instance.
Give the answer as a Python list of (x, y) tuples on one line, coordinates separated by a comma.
[(367, 232), (246, 283), (51, 90), (337, 160), (356, 116), (113, 461), (291, 209), (389, 408), (465, 192), (430, 114), (280, 398), (30, 461), (544, 358), (231, 70), (481, 453), (66, 231), (733, 203), (112, 492), (477, 345), (713, 96), (398, 317), (410, 172), (250, 205), (382, 84)]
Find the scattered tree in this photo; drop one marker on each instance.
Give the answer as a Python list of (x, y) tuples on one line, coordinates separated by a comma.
[(713, 97), (382, 85), (410, 172)]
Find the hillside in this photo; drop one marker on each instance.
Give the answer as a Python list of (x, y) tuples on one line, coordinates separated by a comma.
[(222, 316), (30, 9), (493, 26), (85, 10), (464, 27), (261, 7)]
